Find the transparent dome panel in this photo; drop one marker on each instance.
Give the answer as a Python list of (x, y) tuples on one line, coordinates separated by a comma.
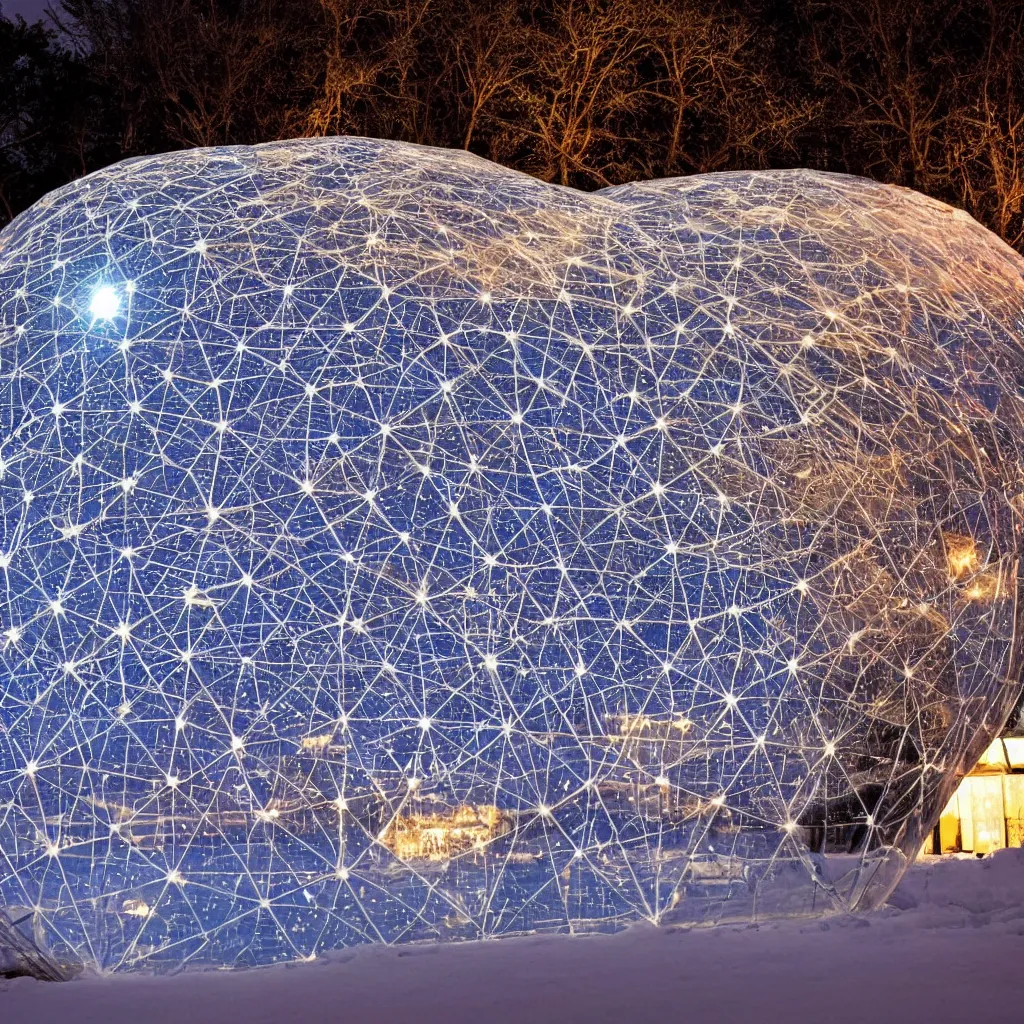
[(395, 548)]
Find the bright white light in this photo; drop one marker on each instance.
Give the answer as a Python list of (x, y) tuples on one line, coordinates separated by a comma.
[(105, 303)]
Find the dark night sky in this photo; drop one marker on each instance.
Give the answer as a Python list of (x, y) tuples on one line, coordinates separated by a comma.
[(30, 10)]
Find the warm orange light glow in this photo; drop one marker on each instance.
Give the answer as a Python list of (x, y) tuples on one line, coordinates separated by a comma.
[(443, 835), (136, 908), (962, 555), (637, 725), (986, 587), (317, 742)]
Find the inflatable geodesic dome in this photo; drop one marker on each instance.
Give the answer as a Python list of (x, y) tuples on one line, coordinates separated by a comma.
[(395, 547)]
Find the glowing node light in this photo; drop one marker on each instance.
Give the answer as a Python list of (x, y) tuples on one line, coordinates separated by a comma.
[(105, 304)]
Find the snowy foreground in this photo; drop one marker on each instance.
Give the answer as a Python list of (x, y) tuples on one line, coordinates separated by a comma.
[(950, 947)]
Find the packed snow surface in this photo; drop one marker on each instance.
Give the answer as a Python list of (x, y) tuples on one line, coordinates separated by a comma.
[(948, 947)]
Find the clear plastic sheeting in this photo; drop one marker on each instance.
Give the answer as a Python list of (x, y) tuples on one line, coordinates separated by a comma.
[(395, 547)]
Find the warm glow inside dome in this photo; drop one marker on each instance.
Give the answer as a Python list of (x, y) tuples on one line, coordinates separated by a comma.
[(428, 552)]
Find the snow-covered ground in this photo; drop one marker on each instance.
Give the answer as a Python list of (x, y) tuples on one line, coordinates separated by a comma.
[(949, 948)]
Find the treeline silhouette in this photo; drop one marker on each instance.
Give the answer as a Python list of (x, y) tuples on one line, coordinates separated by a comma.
[(579, 92)]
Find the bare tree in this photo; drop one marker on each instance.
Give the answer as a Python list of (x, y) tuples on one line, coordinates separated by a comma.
[(887, 60), (195, 72), (488, 63), (578, 108), (727, 106), (985, 146), (350, 75), (580, 92), (379, 72)]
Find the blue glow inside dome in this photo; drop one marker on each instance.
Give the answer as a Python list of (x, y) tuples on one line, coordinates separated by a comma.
[(105, 303), (396, 547)]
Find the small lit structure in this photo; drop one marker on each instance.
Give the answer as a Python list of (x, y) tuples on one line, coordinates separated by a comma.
[(986, 812)]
